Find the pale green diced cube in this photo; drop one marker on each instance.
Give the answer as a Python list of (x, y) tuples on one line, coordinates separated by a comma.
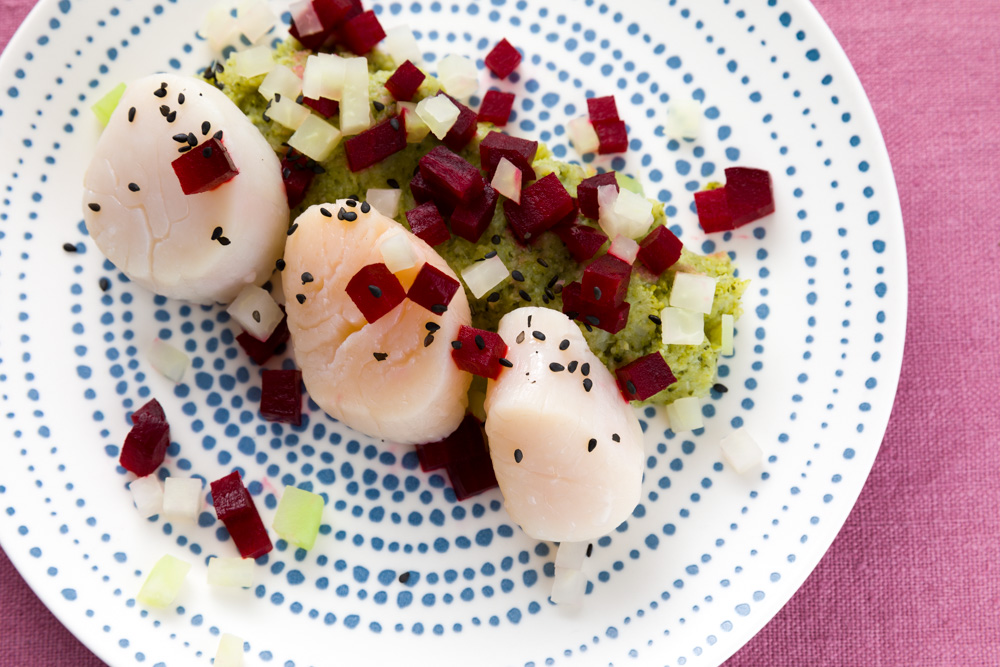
[(163, 582), (230, 651), (105, 106), (298, 517), (236, 572)]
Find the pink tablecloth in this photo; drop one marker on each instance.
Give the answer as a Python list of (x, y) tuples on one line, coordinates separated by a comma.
[(914, 577)]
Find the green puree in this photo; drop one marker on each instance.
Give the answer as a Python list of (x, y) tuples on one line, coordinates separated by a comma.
[(693, 365)]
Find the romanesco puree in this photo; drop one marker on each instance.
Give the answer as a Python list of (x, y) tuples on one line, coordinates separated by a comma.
[(693, 365)]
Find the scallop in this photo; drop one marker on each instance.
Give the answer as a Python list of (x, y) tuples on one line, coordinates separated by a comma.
[(393, 378), (567, 449), (201, 248)]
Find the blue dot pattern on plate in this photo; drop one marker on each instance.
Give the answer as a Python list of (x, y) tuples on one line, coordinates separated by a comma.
[(817, 357)]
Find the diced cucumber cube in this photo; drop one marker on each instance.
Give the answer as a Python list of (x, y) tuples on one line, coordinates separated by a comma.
[(230, 651), (105, 106), (163, 582), (298, 517)]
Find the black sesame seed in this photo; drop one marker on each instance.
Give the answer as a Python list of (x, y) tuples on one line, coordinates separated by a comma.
[(590, 549), (432, 326), (307, 278), (378, 105), (172, 116), (326, 213), (340, 213), (393, 183), (572, 365), (184, 149), (277, 97), (529, 320), (520, 338), (217, 136), (69, 247), (720, 388), (403, 578), (350, 216), (291, 230), (380, 356), (301, 298), (552, 282), (542, 262), (591, 319), (192, 140), (491, 254), (587, 384), (494, 297), (630, 387), (351, 203), (456, 344), (592, 445), (256, 316), (216, 233), (280, 265), (104, 284), (495, 240), (94, 206), (564, 344), (133, 187), (376, 291), (355, 198), (161, 92), (616, 437), (585, 369), (206, 127), (267, 286), (506, 363), (180, 98), (219, 68), (365, 207), (524, 295), (180, 138), (428, 339), (555, 368), (545, 298), (654, 319), (480, 343), (206, 151), (589, 328), (301, 98), (538, 334), (558, 289), (517, 275), (394, 123), (597, 293), (131, 114), (518, 456), (317, 169), (224, 241), (439, 309)]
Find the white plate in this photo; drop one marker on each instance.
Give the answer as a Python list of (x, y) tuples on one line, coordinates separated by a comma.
[(709, 556)]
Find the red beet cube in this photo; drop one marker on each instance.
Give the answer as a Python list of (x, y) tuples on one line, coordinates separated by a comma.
[(612, 135), (314, 41), (426, 222), (322, 106), (660, 250), (297, 177), (503, 59), (464, 129), (605, 281), (450, 176), (496, 107), (146, 443), (479, 352), (644, 377), (281, 396), (520, 152), (433, 289), (586, 193), (472, 476), (611, 319), (582, 241), (749, 194), (465, 443), (361, 33), (204, 168), (420, 190), (713, 210), (404, 81), (375, 291), (235, 508), (544, 203), (470, 219), (602, 109), (375, 144), (261, 351), (332, 13)]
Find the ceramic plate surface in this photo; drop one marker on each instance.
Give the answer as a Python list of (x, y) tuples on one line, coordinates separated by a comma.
[(707, 558)]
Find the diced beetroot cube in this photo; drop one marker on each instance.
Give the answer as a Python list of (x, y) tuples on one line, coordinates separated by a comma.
[(205, 168), (602, 109), (660, 250), (605, 281), (472, 476), (426, 222), (611, 320), (470, 219), (569, 219), (297, 177), (404, 81), (749, 194), (612, 135), (520, 153), (503, 59), (496, 107), (261, 351), (644, 377), (375, 291), (586, 193), (543, 204), (281, 396), (450, 175), (713, 210), (361, 33), (433, 289), (465, 126), (479, 352), (322, 106), (582, 241), (465, 443), (314, 41), (375, 144), (332, 13), (146, 443), (420, 190), (235, 509)]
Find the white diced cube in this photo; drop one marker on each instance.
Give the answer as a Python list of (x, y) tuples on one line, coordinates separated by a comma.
[(355, 106), (397, 252), (693, 291), (623, 212), (568, 586), (256, 312), (147, 494), (219, 27), (683, 119), (572, 554), (741, 451), (233, 572), (458, 75), (416, 129), (255, 19), (323, 77), (684, 414), (168, 360), (625, 249), (401, 45), (439, 113), (305, 17), (582, 135), (230, 651), (385, 200), (315, 138), (481, 277), (728, 326), (281, 81), (507, 180), (286, 111), (682, 327), (182, 498), (253, 62)]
